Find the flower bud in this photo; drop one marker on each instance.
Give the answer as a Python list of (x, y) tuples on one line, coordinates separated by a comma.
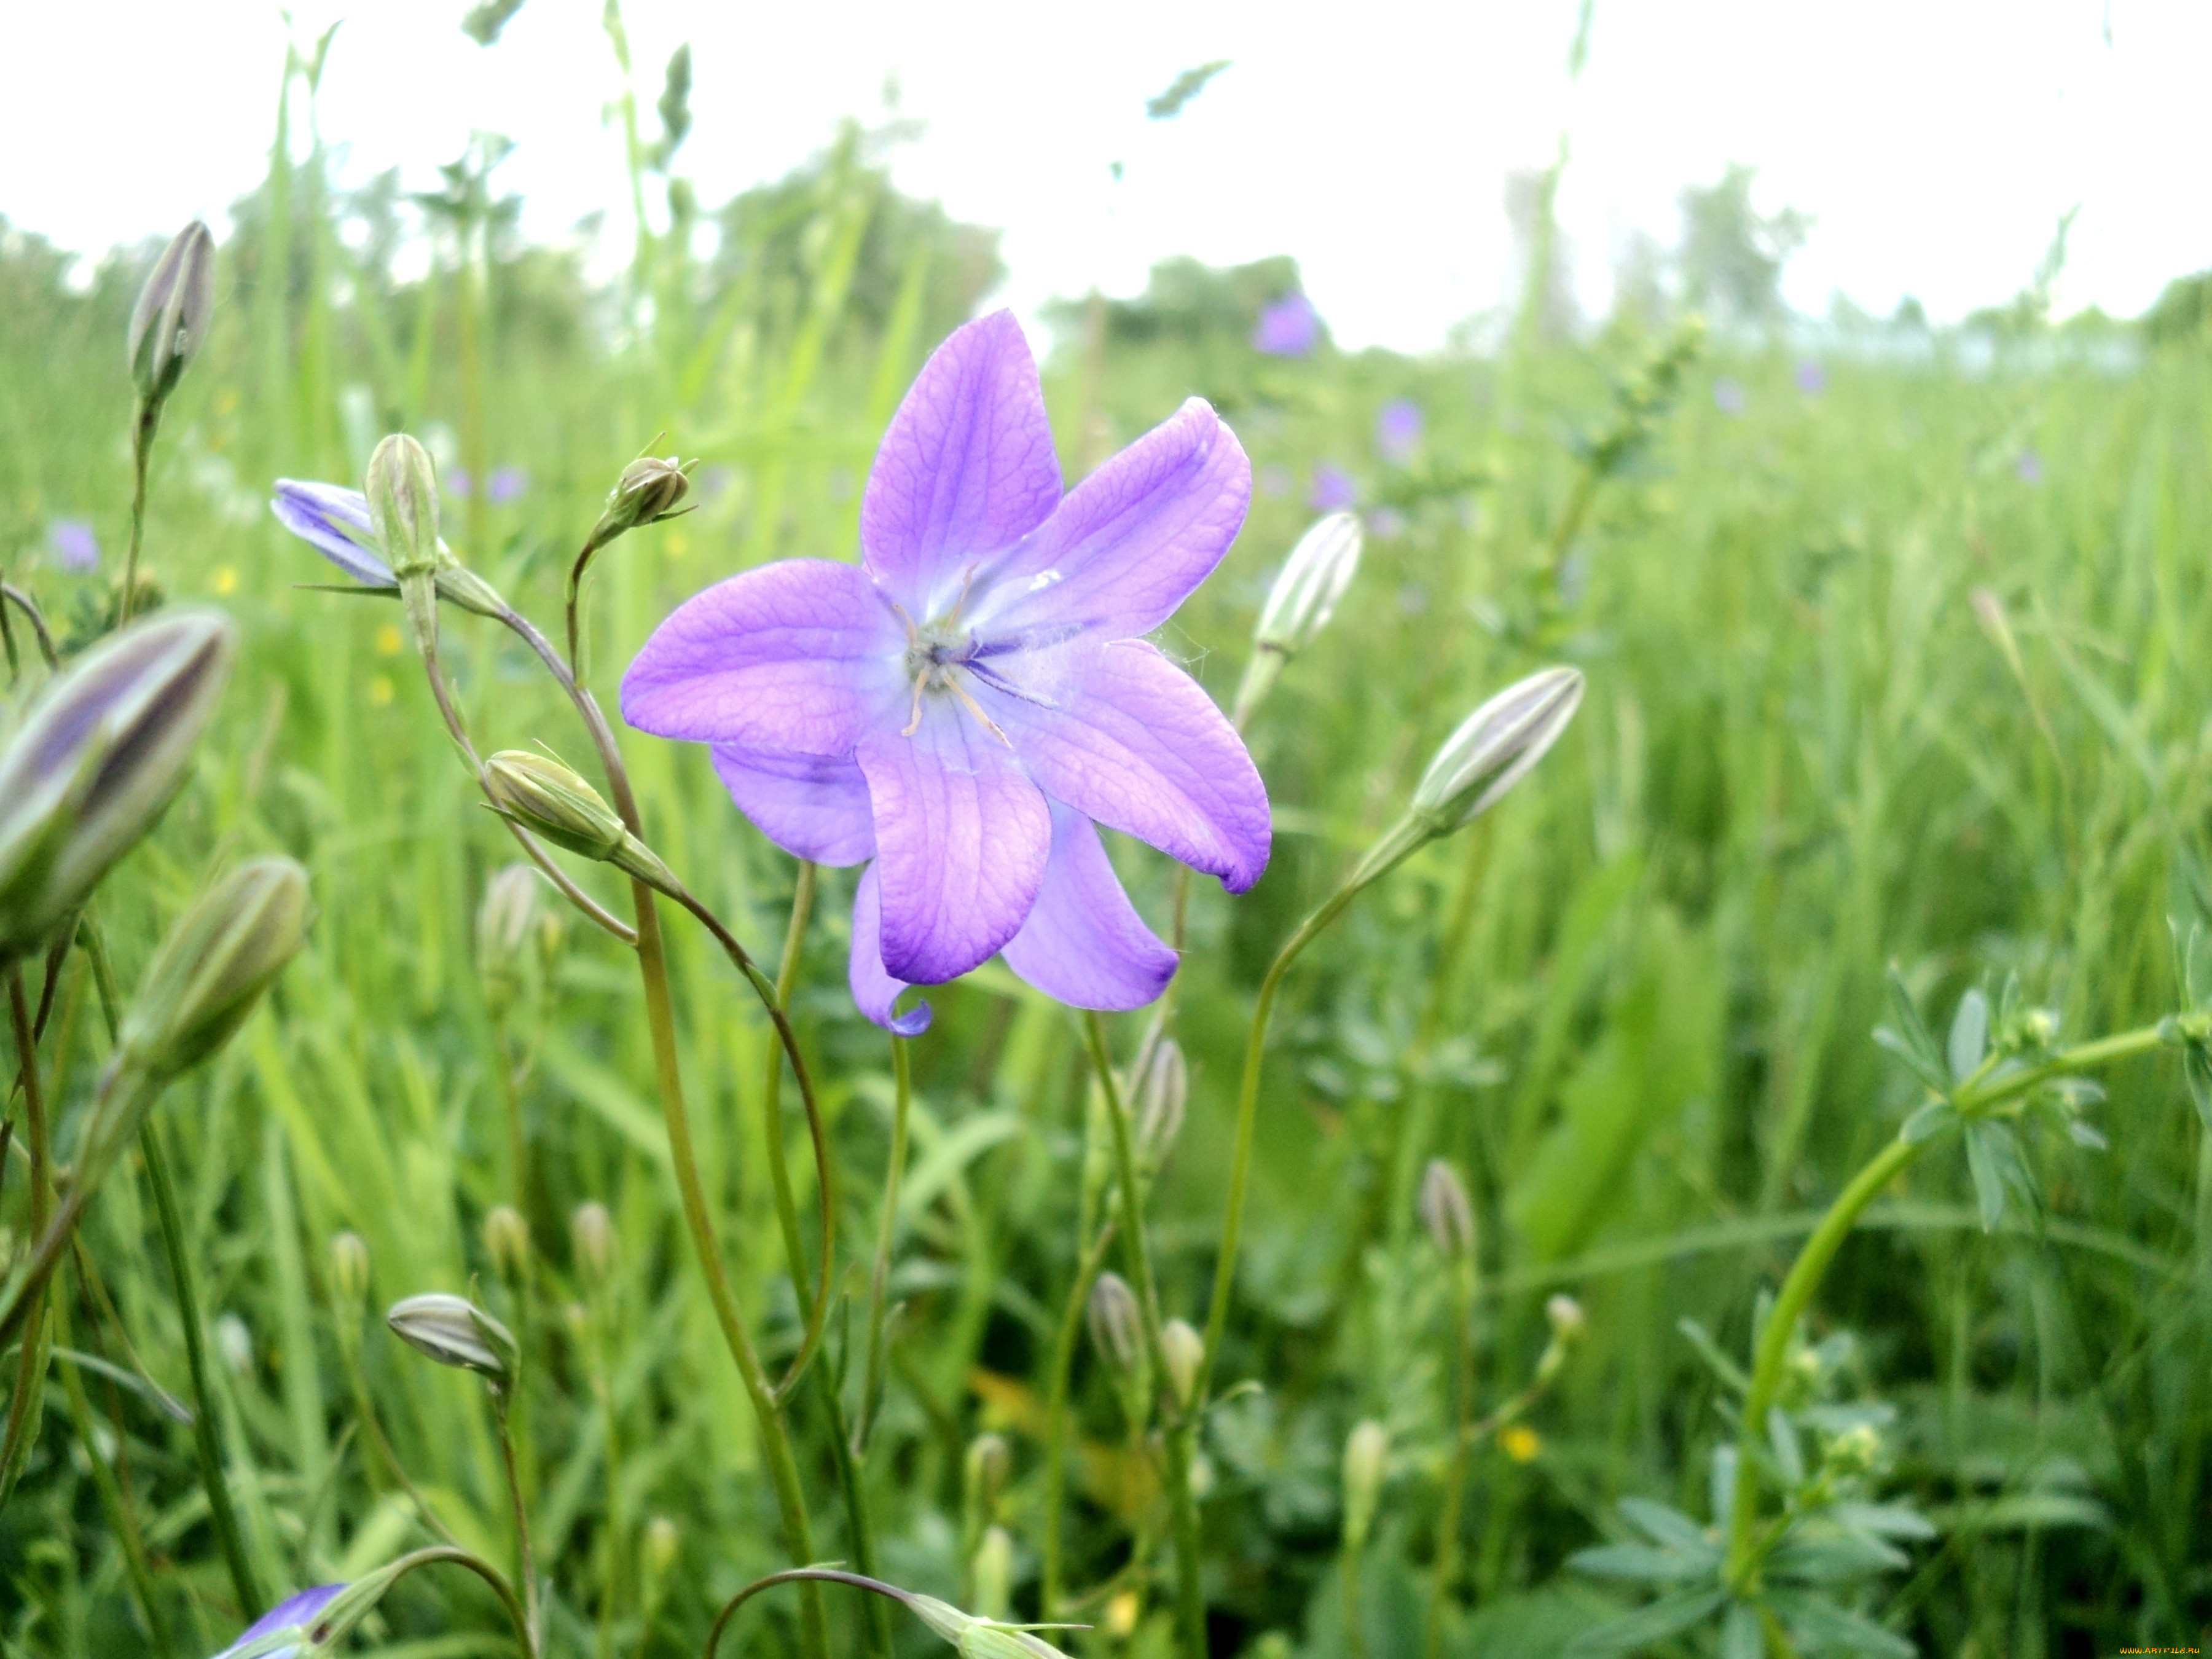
[(993, 1569), (649, 491), (658, 1550), (402, 505), (1366, 1456), (507, 1241), (1117, 1328), (211, 970), (504, 927), (1314, 578), (101, 754), (1855, 1450), (1162, 1088), (592, 1237), (544, 797), (1566, 1316), (978, 1638), (988, 1462), (454, 1331), (169, 322), (1184, 1350), (349, 1273), (1494, 748), (1446, 1212)]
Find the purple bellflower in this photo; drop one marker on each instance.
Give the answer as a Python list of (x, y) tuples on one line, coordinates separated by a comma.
[(1288, 327), (294, 1616), (1398, 429), (334, 521), (505, 483), (1333, 488), (960, 709)]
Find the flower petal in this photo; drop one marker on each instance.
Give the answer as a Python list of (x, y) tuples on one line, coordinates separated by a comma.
[(1132, 540), (334, 521), (961, 840), (790, 656), (966, 470), (873, 988), (1124, 736), (1084, 943), (810, 807), (295, 1611)]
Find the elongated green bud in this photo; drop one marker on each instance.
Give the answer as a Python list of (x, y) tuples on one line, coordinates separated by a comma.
[(454, 1331), (168, 323), (1366, 1459), (1446, 1212), (348, 1274), (505, 923), (547, 798), (592, 1243), (403, 510), (211, 970), (1304, 596), (1184, 1351), (1116, 1327), (978, 1638), (1163, 1090), (985, 1471), (507, 1241), (102, 753), (1494, 747)]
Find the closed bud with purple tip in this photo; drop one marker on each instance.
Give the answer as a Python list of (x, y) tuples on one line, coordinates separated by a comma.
[(169, 322), (454, 1331), (1446, 1212), (102, 752), (1494, 747)]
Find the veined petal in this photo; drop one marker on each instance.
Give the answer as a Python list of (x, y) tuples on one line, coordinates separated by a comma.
[(812, 807), (966, 470), (792, 656), (873, 988), (961, 840), (1126, 737), (334, 521), (1084, 943), (1132, 540), (294, 1613)]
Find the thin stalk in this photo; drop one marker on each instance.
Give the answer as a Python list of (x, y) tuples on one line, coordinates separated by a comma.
[(1178, 1441), (1062, 1364), (525, 1560), (365, 1411), (483, 1570), (779, 1165), (141, 452), (28, 1378), (872, 1379), (858, 1521), (1463, 1442)]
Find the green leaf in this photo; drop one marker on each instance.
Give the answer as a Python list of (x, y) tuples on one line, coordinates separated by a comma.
[(1730, 1375), (1654, 1622), (1924, 1065), (1721, 1479), (1741, 1636), (1186, 86), (1641, 1561), (1821, 1627), (2001, 1173), (1664, 1526), (1910, 1025), (1931, 1120), (1970, 1036), (1883, 1520), (1827, 1555)]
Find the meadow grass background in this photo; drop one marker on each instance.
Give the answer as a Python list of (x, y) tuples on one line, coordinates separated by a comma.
[(1632, 1005)]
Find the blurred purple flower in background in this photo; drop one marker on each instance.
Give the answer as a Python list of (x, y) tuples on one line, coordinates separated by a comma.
[(1728, 396), (960, 711), (1288, 327), (1812, 378), (1333, 490), (1386, 524), (714, 482), (505, 483), (2028, 467), (1398, 429), (458, 483), (75, 548), (1275, 479)]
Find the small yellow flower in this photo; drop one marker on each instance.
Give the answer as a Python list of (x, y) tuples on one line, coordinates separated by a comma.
[(226, 401), (389, 641), (1520, 1443), (1121, 1613), (226, 579), (678, 543), (379, 690)]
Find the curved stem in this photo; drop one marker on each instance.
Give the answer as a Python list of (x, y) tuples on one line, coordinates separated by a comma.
[(797, 1576), (871, 1378), (436, 1553), (575, 894)]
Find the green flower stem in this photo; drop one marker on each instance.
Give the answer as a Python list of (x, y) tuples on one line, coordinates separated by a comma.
[(1179, 1440), (525, 1560), (142, 452), (1062, 1364), (476, 1564), (29, 1381), (1462, 1454), (779, 1165), (1974, 1098), (872, 1386)]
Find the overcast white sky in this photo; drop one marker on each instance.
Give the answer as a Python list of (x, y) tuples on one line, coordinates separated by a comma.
[(1936, 140)]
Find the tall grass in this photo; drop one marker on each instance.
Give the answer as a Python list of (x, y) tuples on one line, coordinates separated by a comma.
[(1634, 1008)]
